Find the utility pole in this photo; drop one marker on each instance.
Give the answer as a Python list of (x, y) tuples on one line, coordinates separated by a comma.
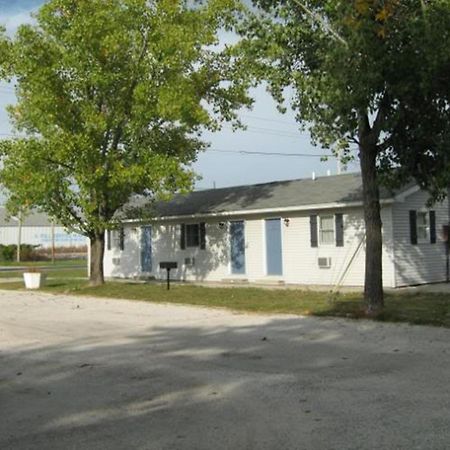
[(53, 241), (19, 235)]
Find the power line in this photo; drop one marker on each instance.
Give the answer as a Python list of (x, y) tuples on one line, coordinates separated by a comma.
[(267, 119), (260, 153), (267, 131)]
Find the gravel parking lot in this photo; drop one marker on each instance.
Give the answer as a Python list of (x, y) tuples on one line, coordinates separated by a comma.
[(84, 373)]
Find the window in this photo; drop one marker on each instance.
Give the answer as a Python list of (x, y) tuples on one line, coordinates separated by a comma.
[(192, 235), (115, 239), (423, 227), (326, 230)]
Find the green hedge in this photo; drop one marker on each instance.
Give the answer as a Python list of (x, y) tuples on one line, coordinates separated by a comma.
[(27, 253)]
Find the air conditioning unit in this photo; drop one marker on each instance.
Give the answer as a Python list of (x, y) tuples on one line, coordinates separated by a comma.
[(324, 263), (189, 262)]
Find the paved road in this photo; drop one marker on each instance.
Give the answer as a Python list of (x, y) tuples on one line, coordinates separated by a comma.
[(84, 373)]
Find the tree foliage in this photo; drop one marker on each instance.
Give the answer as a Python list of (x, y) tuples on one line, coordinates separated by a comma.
[(373, 56), (367, 73), (112, 98)]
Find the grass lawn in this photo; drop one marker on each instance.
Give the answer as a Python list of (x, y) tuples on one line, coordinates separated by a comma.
[(414, 308), (67, 269), (57, 263)]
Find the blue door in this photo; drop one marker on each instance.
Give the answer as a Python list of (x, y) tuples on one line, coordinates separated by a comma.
[(237, 244), (146, 249), (274, 255)]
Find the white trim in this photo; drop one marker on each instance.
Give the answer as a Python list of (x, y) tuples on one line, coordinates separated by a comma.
[(243, 212), (401, 197)]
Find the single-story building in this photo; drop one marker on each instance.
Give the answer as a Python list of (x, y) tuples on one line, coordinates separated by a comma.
[(306, 232), (37, 229)]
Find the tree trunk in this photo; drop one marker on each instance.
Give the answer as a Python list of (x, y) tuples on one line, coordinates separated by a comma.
[(373, 283), (96, 265)]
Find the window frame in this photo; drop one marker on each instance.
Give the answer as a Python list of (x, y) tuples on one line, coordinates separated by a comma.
[(319, 229), (423, 239), (187, 234), (116, 239)]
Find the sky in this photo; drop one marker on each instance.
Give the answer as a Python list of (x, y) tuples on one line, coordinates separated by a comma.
[(224, 164)]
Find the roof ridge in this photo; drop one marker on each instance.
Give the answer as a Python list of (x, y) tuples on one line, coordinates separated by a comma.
[(268, 183)]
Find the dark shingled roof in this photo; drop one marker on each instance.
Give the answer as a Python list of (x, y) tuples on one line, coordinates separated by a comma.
[(279, 194)]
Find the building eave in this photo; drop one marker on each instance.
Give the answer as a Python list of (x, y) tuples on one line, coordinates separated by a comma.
[(252, 212)]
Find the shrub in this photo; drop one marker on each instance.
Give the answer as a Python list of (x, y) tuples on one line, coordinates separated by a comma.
[(27, 253)]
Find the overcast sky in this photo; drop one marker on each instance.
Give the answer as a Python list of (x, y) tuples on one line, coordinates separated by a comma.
[(268, 132)]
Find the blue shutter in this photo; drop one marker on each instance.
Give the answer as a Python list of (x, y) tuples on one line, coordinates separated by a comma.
[(339, 218), (413, 227), (202, 228), (313, 230), (433, 227), (122, 239), (108, 239), (183, 237)]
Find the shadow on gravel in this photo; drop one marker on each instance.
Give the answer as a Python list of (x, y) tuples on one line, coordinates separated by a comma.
[(287, 384)]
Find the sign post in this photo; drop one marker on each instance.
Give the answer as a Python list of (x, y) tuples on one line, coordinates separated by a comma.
[(168, 265)]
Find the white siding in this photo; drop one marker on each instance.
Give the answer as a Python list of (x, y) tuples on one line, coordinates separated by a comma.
[(211, 264), (255, 249), (347, 262), (126, 263), (300, 261), (424, 262)]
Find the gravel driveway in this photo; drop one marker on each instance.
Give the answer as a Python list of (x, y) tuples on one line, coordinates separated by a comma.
[(82, 373)]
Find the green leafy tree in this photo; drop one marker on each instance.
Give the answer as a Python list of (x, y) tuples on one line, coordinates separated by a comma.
[(370, 74), (112, 98)]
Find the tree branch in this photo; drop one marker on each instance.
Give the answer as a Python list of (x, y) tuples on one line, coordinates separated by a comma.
[(59, 163), (72, 214), (363, 126), (378, 123), (316, 18)]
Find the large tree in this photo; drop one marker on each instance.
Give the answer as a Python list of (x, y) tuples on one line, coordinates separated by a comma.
[(370, 74), (112, 96)]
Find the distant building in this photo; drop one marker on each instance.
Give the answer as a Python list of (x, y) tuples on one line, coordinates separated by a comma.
[(37, 229)]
